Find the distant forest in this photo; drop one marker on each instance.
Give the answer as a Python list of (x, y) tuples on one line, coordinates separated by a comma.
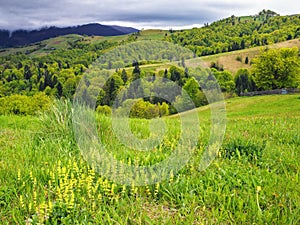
[(235, 33)]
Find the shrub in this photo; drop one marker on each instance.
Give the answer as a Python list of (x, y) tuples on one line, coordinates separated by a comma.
[(24, 105), (146, 110), (217, 66), (139, 108), (105, 110), (163, 109), (239, 58)]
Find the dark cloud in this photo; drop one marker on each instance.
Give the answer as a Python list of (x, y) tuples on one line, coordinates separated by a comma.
[(15, 14)]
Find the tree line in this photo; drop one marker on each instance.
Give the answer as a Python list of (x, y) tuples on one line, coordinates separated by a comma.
[(138, 87), (236, 33)]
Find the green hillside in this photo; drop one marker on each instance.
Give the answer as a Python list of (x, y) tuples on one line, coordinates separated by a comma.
[(256, 107), (69, 41), (236, 33), (233, 61), (256, 171), (44, 47)]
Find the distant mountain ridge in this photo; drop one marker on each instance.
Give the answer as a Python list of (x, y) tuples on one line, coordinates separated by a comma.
[(25, 37)]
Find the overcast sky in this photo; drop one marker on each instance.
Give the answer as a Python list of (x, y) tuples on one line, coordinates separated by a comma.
[(29, 14)]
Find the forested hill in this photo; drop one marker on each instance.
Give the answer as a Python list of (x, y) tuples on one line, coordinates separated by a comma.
[(24, 37), (235, 33)]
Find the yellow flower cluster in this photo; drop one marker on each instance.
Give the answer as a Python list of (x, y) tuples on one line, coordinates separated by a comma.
[(75, 185)]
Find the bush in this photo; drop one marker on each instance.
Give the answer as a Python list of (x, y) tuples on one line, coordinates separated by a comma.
[(163, 109), (239, 58), (105, 110), (243, 82), (217, 66), (275, 69), (24, 105), (139, 108), (146, 110)]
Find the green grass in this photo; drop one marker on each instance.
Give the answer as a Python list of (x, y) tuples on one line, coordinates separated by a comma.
[(153, 34), (271, 106), (143, 35), (259, 106), (254, 180)]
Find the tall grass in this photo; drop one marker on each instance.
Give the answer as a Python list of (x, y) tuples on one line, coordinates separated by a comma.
[(254, 180)]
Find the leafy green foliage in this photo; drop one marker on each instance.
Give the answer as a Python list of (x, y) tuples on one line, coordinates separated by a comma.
[(56, 74), (277, 69), (225, 80), (142, 109), (194, 91), (106, 110), (24, 105), (235, 33), (138, 108), (146, 52), (243, 82)]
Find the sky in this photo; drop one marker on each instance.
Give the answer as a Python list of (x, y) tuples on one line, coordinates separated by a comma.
[(161, 14)]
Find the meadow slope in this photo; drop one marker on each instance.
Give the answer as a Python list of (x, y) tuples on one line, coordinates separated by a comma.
[(254, 179)]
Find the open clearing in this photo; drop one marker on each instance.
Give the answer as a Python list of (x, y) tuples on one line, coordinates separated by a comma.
[(254, 179)]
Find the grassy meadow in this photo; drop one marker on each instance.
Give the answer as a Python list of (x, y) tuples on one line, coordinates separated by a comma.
[(229, 59), (254, 179)]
